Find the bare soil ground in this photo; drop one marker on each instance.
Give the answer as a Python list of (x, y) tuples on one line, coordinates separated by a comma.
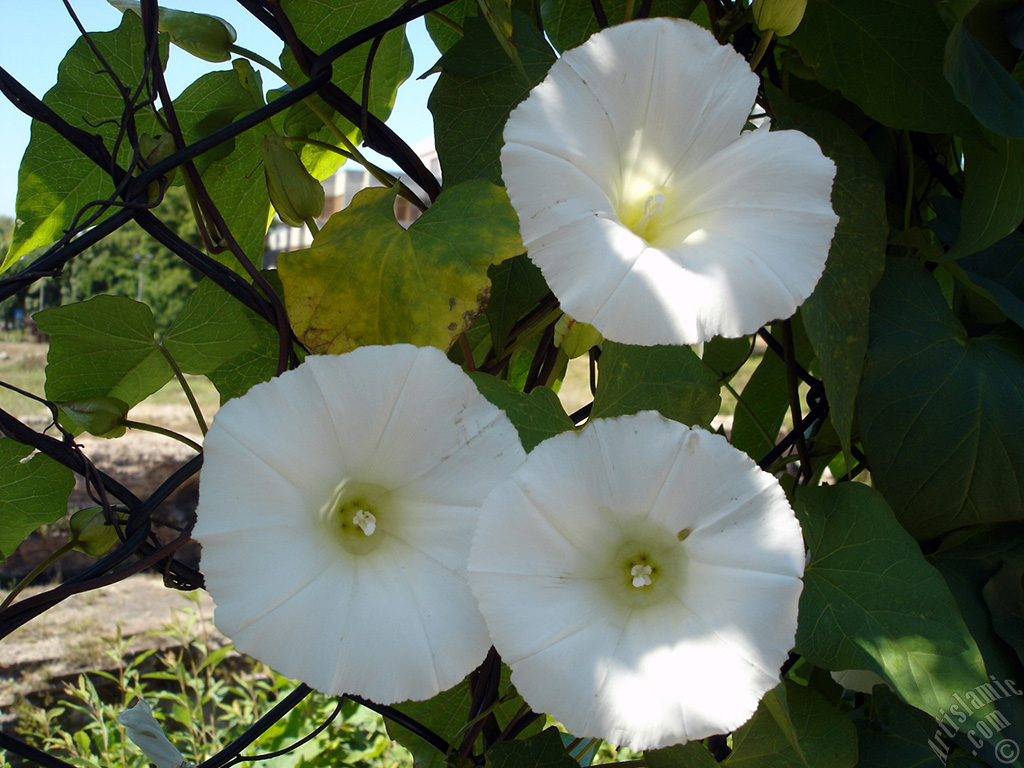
[(76, 635)]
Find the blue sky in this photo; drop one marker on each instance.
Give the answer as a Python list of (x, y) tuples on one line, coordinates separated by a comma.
[(35, 35)]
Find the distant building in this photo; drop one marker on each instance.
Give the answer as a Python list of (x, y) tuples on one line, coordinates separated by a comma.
[(339, 190)]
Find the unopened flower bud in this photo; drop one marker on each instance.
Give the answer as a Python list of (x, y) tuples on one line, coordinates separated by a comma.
[(90, 532), (779, 16), (575, 338), (146, 733), (100, 416), (154, 149), (208, 37), (294, 193)]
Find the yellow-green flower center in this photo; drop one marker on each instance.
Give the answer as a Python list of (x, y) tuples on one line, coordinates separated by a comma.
[(353, 514), (641, 212), (648, 568)]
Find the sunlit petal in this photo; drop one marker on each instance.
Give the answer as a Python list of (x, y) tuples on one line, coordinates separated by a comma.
[(336, 510), (651, 216), (641, 578)]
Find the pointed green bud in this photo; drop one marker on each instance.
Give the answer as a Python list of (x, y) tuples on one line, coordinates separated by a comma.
[(294, 193), (90, 532), (575, 338), (100, 416), (208, 37), (153, 150), (779, 16)]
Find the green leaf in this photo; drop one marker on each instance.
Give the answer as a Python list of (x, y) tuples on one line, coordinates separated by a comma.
[(726, 356), (215, 100), (941, 414), (443, 35), (33, 492), (499, 16), (478, 337), (967, 560), (477, 89), (998, 269), (836, 314), (795, 727), (237, 376), (365, 280), (981, 83), (690, 755), (1004, 595), (671, 380), (236, 181), (897, 735), (761, 408), (445, 715), (321, 25), (211, 329), (544, 750), (103, 347), (55, 179), (256, 364), (871, 601), (993, 203), (886, 56), (536, 416), (517, 286), (570, 22)]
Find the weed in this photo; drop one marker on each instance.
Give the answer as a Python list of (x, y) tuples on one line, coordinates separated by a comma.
[(204, 694)]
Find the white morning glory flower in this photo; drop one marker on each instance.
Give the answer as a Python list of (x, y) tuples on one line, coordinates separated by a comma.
[(337, 503), (641, 579), (650, 215)]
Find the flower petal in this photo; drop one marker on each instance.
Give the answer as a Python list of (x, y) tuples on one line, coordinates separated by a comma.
[(649, 215), (389, 616), (672, 93), (756, 231), (684, 657)]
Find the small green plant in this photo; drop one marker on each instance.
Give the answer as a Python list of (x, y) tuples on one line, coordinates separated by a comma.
[(204, 694)]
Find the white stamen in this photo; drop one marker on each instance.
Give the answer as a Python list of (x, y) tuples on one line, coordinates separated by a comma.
[(641, 575), (653, 206), (365, 520)]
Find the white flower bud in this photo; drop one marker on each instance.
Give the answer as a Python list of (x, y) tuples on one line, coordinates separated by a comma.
[(146, 733)]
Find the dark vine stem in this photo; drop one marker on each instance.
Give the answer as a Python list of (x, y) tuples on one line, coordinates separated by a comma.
[(773, 344), (376, 135), (30, 753), (814, 416), (92, 147), (149, 8), (644, 10), (545, 350), (484, 684), (535, 321), (295, 745), (254, 731), (792, 388), (400, 718)]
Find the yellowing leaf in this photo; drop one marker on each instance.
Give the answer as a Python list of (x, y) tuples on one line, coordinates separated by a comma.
[(366, 280)]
